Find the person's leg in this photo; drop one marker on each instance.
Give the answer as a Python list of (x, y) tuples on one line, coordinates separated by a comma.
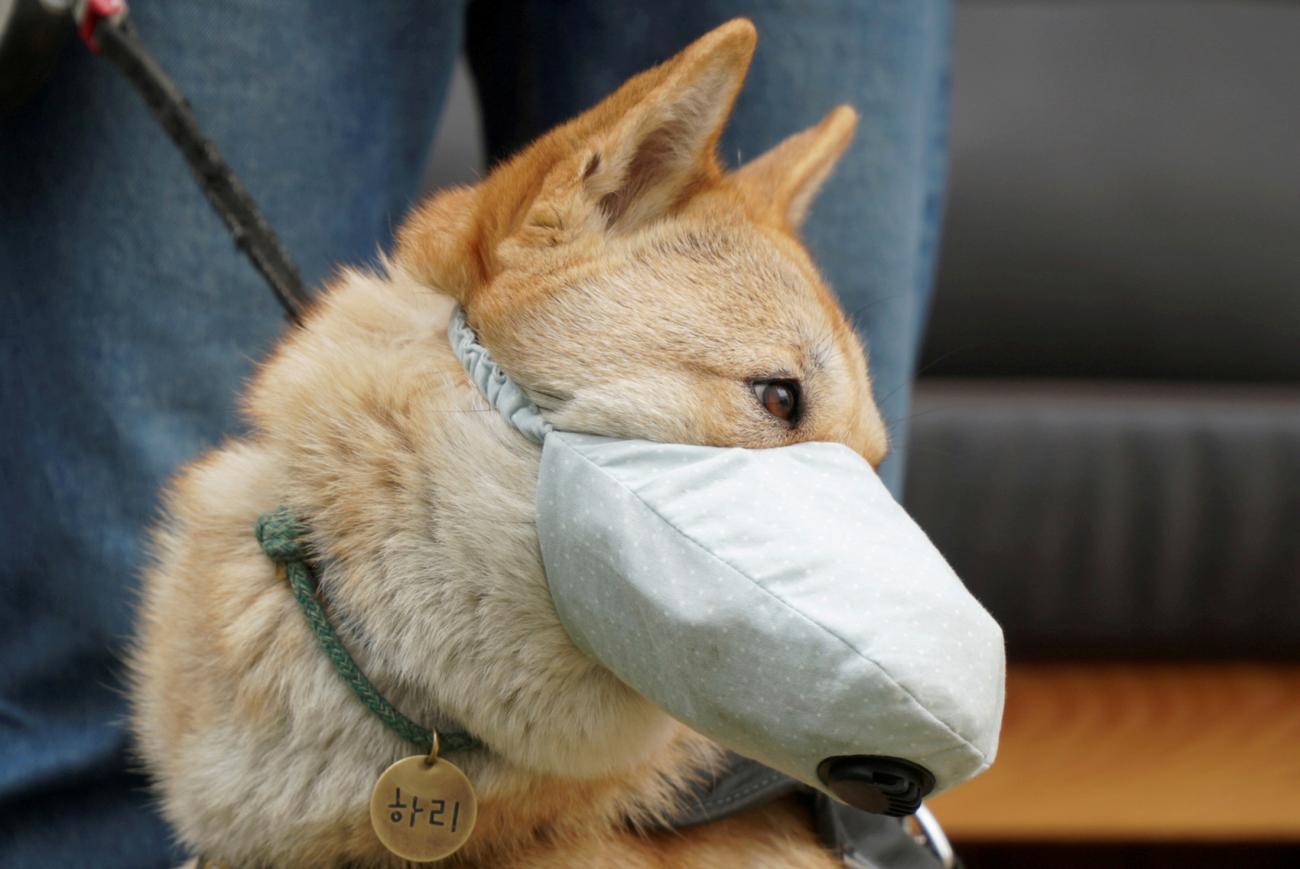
[(874, 229), (127, 326)]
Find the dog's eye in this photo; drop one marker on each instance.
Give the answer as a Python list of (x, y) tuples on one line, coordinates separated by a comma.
[(779, 398)]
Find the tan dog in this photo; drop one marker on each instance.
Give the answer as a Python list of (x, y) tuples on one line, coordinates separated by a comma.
[(634, 289)]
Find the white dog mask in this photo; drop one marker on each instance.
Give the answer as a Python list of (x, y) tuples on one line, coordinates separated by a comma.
[(820, 633)]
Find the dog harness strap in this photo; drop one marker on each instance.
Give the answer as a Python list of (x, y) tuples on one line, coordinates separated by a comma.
[(281, 538), (741, 784), (862, 839)]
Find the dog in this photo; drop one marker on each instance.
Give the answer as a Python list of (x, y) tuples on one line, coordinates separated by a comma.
[(634, 288)]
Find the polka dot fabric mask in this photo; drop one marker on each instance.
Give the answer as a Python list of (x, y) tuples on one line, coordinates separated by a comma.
[(779, 601)]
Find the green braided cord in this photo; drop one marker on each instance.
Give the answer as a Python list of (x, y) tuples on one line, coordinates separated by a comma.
[(280, 535)]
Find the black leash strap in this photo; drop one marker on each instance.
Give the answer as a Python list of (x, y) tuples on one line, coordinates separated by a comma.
[(106, 28)]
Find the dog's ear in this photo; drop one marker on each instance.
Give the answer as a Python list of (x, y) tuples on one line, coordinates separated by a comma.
[(655, 139), (632, 158), (782, 183), (438, 245)]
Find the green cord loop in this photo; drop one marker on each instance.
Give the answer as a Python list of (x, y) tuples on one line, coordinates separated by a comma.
[(281, 537), (278, 533)]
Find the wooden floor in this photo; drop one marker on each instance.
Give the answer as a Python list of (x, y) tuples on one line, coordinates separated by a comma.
[(1137, 753)]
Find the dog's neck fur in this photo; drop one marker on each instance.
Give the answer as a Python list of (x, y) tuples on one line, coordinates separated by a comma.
[(420, 501)]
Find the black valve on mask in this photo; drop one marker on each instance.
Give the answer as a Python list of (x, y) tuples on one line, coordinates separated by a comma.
[(883, 785)]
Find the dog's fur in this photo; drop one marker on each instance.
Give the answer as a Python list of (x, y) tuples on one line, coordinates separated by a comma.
[(634, 289)]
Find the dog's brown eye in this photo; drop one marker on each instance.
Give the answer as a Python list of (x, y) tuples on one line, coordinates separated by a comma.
[(779, 398)]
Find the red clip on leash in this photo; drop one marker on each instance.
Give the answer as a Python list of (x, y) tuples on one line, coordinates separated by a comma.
[(93, 12), (105, 27)]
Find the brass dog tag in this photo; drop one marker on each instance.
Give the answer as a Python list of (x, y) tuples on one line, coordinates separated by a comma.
[(423, 808)]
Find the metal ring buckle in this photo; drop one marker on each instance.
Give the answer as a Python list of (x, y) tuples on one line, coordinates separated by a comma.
[(931, 835), (433, 749)]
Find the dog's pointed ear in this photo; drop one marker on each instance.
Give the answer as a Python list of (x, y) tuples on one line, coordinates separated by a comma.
[(630, 159), (655, 139), (783, 182)]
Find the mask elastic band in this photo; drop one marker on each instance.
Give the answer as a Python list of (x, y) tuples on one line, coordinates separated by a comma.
[(500, 391)]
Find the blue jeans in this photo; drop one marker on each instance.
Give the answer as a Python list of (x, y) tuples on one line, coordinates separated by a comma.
[(128, 323)]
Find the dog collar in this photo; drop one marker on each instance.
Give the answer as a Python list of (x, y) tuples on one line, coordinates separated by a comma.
[(281, 535)]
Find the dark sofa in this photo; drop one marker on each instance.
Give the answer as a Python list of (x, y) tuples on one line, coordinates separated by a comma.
[(1106, 440)]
